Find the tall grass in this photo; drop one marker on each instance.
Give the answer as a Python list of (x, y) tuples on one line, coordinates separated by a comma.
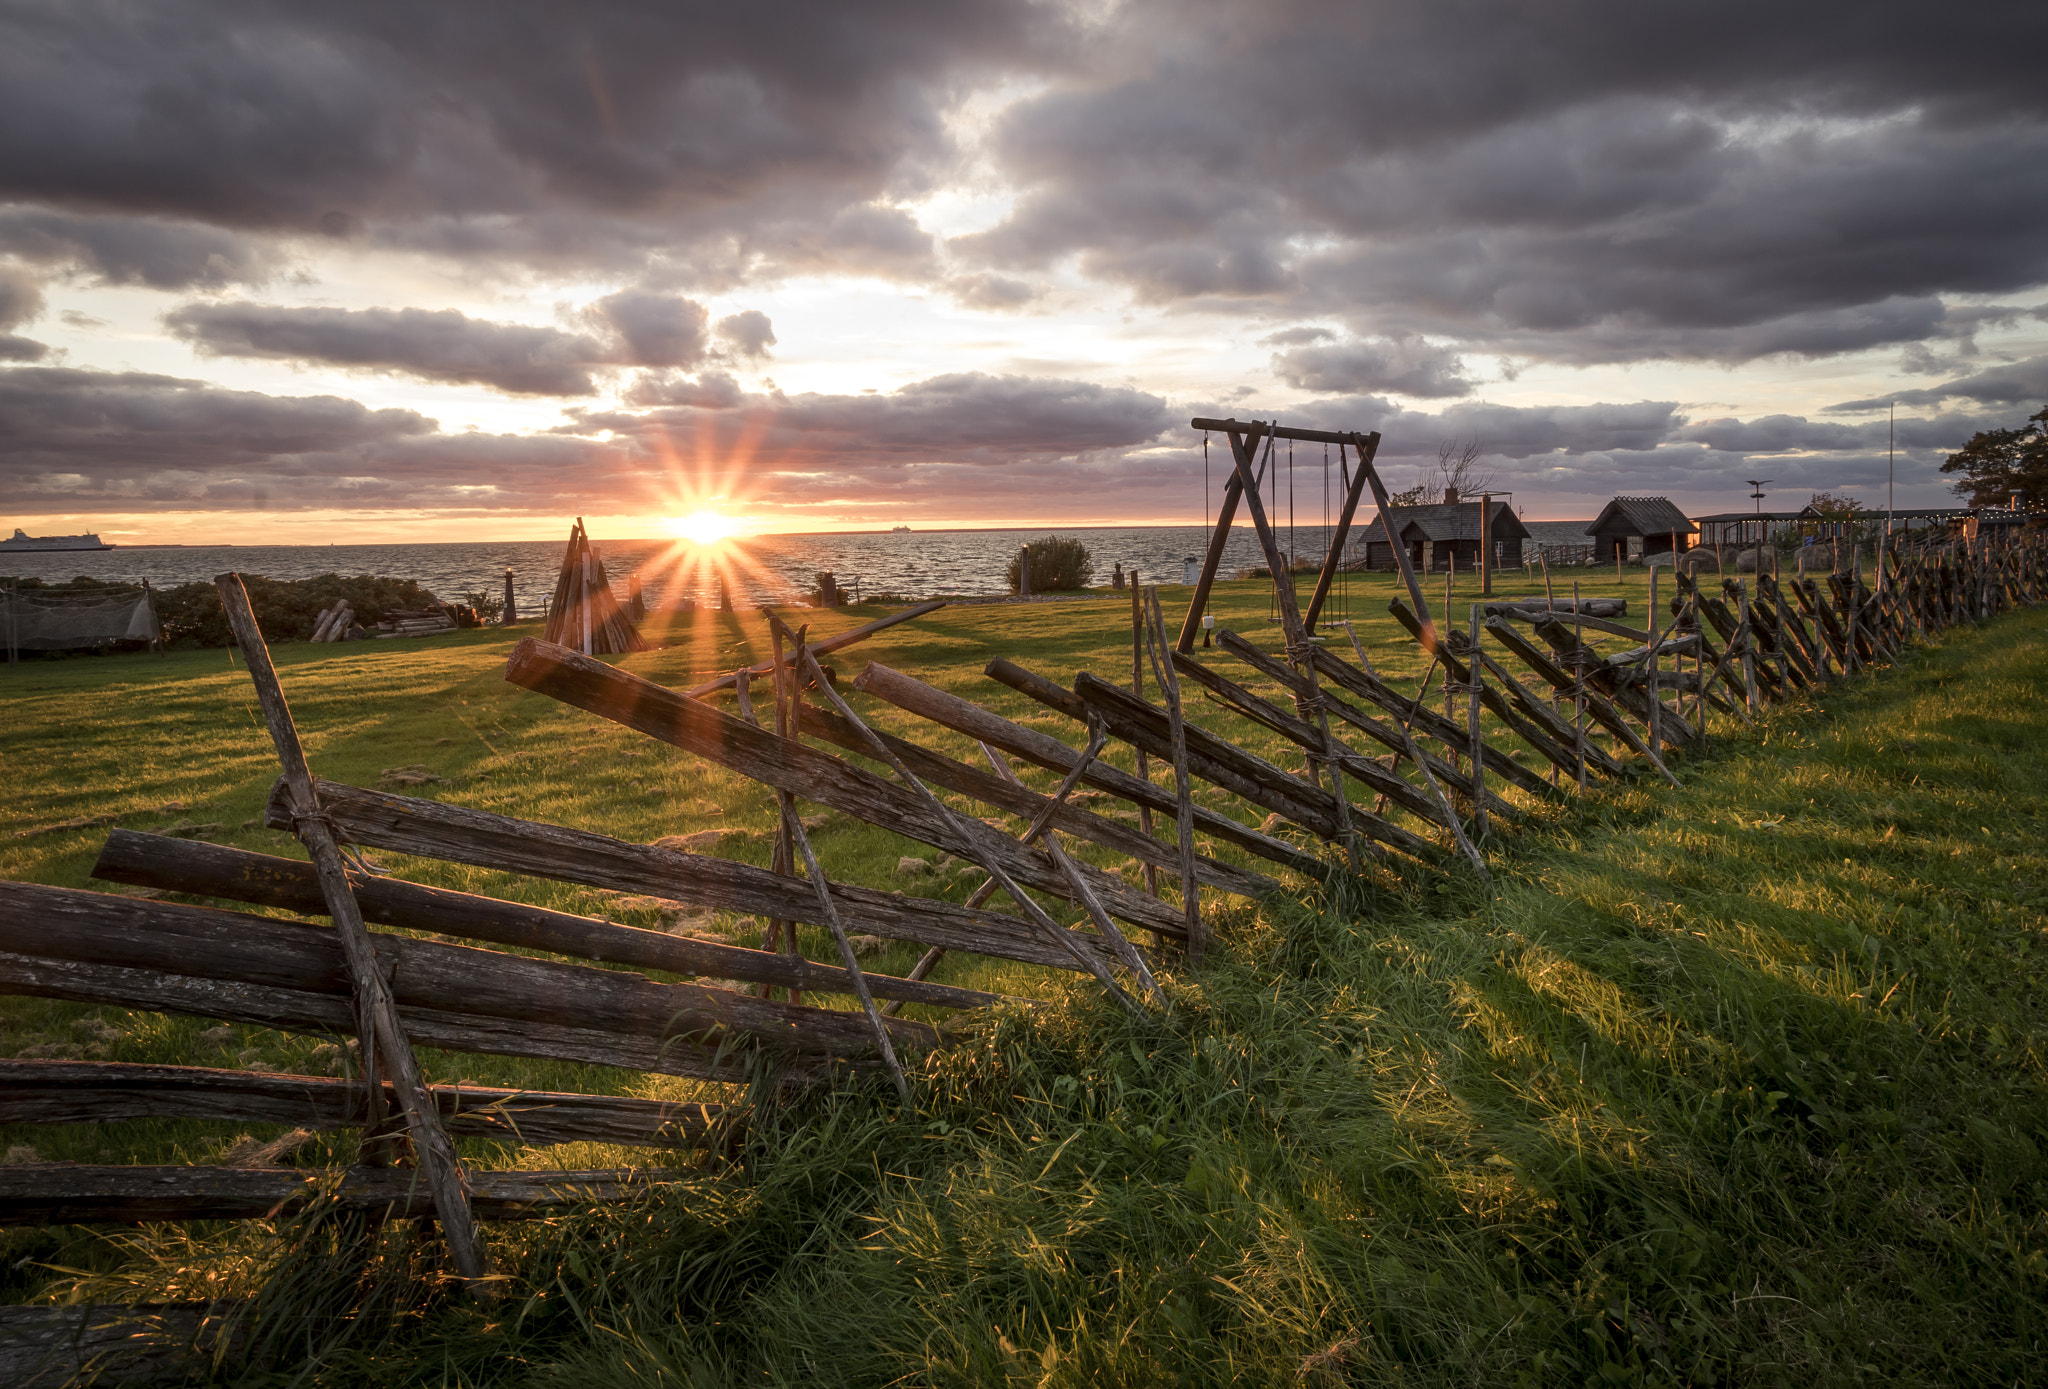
[(1739, 1083)]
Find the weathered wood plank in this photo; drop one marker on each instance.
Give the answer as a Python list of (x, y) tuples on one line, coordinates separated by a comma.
[(105, 1092), (56, 923), (61, 1194), (1018, 799), (787, 765), (219, 870), (433, 829), (1044, 750)]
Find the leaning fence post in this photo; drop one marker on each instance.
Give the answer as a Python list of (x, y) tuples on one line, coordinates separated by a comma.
[(1476, 680), (383, 1038)]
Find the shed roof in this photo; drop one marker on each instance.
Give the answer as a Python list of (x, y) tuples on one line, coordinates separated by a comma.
[(1458, 521), (1641, 516)]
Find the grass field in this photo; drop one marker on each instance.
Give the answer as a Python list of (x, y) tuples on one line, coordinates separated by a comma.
[(1735, 1083)]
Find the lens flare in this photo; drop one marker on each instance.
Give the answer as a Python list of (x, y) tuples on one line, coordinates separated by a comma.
[(704, 527)]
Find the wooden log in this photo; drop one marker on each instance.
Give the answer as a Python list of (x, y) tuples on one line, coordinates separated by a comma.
[(61, 1347), (387, 1051), (326, 1014), (1019, 799), (1224, 764), (1601, 702), (219, 870), (405, 824), (1144, 726), (62, 1194), (107, 1092), (52, 923), (1558, 679), (1044, 750), (1390, 737), (1533, 615), (1183, 786), (825, 647), (1426, 720), (786, 765)]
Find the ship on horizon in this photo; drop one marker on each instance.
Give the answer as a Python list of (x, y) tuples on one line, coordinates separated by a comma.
[(22, 540)]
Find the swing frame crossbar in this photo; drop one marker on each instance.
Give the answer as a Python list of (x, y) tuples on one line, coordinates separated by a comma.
[(1244, 438)]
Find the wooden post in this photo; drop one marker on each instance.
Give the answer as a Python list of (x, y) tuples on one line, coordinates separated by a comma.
[(1023, 571), (1476, 681), (1748, 648), (1169, 686), (386, 1049), (636, 604), (511, 614), (1486, 544), (1579, 687), (1144, 763), (1656, 724)]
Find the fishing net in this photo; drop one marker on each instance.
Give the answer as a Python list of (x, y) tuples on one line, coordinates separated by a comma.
[(47, 619)]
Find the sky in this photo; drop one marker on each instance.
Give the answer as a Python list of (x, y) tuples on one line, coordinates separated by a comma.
[(293, 273)]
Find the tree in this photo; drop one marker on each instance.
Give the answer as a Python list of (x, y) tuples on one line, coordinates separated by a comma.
[(1457, 469), (1832, 507), (1996, 463), (1057, 562)]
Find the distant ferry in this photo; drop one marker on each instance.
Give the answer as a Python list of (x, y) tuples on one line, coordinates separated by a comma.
[(893, 530), (24, 541)]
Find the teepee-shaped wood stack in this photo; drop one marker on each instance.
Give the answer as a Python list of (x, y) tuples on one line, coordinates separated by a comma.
[(584, 616)]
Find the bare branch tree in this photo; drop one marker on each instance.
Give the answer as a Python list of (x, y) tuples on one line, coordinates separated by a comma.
[(1457, 469)]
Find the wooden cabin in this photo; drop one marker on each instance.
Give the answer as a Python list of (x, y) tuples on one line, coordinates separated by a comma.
[(1655, 522), (1437, 535)]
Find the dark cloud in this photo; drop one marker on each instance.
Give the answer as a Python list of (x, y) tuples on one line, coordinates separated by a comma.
[(749, 331), (1579, 182), (967, 418), (15, 348), (21, 297), (1404, 366), (139, 250), (774, 131), (442, 345), (657, 330), (2014, 383), (632, 328)]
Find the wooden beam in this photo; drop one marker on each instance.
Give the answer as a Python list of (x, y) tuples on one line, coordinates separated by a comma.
[(80, 1195), (696, 727), (1019, 799), (431, 829), (238, 875), (53, 923), (386, 1050), (106, 1092), (1368, 449), (1044, 750), (1191, 625)]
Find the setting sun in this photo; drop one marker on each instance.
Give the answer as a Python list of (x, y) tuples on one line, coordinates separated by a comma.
[(704, 527)]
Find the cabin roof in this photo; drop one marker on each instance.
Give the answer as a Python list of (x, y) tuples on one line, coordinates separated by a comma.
[(1641, 516), (1457, 521)]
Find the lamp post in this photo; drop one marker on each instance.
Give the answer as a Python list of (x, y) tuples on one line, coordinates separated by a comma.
[(1756, 490)]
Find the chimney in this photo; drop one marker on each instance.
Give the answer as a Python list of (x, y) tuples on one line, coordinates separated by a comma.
[(1450, 496)]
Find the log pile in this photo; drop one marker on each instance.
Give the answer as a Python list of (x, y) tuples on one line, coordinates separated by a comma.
[(583, 614)]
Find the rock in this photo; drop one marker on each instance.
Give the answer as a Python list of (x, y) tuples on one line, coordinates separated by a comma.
[(866, 945), (813, 823), (218, 1036), (910, 866), (21, 1155)]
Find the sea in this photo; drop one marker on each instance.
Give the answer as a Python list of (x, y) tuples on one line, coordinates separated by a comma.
[(762, 569)]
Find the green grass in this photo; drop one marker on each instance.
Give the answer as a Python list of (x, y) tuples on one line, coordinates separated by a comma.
[(1735, 1083)]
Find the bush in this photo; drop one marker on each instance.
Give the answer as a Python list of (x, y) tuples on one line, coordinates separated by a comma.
[(1056, 563), (285, 609), (488, 608)]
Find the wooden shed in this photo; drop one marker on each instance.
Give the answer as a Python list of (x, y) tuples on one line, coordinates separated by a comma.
[(1437, 534), (1655, 521)]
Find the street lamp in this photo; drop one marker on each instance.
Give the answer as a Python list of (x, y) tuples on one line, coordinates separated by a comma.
[(1756, 490)]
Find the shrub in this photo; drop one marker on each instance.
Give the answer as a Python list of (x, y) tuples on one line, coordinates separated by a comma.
[(1056, 562), (488, 608), (285, 608)]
